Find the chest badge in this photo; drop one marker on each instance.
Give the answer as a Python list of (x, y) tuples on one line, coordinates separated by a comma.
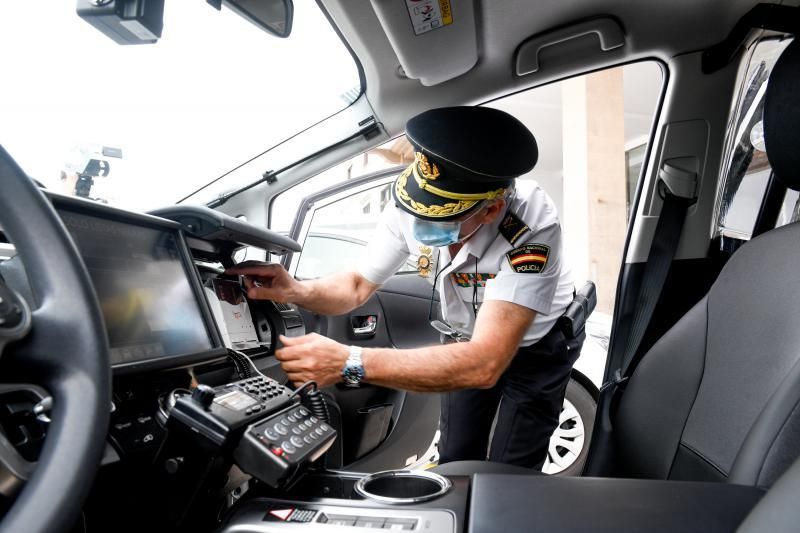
[(425, 261)]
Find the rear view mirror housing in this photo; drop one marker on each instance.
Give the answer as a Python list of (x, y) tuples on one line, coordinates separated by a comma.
[(273, 16)]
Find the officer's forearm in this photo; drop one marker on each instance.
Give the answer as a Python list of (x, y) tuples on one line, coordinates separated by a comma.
[(448, 367), (478, 363), (336, 294)]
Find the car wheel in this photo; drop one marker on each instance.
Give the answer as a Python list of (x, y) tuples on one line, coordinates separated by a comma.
[(569, 444)]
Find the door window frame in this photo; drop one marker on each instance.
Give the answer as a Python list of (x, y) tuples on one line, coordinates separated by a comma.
[(310, 204)]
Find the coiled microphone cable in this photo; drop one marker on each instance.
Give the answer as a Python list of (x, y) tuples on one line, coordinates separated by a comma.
[(314, 400)]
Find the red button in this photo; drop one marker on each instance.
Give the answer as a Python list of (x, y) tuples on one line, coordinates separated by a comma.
[(277, 451)]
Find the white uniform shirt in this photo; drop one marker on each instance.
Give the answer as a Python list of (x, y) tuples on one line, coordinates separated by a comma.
[(547, 288)]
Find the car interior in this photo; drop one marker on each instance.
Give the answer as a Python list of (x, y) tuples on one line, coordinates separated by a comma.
[(140, 389)]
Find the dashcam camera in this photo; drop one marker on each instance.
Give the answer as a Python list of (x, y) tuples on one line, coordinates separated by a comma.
[(125, 21)]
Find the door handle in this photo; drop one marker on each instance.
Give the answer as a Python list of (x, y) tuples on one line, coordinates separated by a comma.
[(364, 326)]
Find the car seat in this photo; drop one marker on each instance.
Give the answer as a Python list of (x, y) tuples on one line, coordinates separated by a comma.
[(718, 396)]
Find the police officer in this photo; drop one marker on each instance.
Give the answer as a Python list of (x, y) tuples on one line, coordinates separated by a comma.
[(493, 251)]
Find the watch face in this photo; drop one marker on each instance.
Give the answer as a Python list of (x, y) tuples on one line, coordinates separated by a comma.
[(353, 374)]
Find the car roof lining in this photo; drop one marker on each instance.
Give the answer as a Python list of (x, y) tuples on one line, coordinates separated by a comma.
[(653, 29)]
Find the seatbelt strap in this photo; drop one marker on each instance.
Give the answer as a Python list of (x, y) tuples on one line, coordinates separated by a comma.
[(679, 195), (680, 187)]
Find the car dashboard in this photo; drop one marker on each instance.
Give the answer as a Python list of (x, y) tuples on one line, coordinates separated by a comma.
[(195, 379)]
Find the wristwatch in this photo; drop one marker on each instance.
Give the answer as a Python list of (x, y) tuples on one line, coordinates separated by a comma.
[(353, 371)]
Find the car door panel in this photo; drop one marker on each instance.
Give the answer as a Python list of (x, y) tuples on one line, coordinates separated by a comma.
[(406, 300), (407, 317), (383, 427)]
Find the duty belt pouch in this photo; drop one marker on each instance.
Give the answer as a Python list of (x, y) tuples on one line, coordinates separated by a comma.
[(573, 321)]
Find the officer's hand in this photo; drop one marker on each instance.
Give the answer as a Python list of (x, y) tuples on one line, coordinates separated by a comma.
[(267, 281), (312, 357)]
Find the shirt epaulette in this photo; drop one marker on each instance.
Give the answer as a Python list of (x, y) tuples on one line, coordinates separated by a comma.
[(512, 228)]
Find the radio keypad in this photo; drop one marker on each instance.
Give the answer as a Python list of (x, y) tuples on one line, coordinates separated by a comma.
[(304, 433)]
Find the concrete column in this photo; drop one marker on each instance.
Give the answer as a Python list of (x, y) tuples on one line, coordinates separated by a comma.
[(594, 179)]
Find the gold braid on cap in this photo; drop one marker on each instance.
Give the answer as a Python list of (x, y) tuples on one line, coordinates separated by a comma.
[(433, 211), (429, 172), (424, 171)]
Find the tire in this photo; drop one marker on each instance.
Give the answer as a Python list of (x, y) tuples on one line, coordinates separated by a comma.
[(569, 444)]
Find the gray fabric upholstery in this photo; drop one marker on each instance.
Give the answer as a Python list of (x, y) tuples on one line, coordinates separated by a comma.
[(718, 393), (776, 433), (778, 511), (658, 399)]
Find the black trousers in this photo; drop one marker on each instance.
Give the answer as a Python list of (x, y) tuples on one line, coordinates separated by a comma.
[(526, 403)]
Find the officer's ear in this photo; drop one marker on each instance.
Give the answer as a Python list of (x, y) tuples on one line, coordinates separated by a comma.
[(493, 210)]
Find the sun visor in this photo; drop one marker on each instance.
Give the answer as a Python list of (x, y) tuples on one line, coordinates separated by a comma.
[(435, 40)]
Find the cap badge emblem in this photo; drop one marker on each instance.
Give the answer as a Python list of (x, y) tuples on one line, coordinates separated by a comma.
[(428, 170)]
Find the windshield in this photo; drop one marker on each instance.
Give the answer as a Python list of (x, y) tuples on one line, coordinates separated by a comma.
[(161, 119)]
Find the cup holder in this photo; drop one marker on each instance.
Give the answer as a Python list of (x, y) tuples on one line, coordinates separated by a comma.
[(399, 487)]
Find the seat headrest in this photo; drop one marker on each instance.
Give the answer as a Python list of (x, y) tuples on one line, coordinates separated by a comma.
[(782, 117)]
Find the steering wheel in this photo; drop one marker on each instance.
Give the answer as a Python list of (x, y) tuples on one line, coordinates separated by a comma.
[(61, 346)]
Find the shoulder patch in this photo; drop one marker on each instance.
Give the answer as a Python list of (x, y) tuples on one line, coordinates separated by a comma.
[(529, 258), (512, 228)]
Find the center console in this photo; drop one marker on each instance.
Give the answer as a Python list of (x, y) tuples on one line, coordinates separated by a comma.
[(488, 503), (329, 502)]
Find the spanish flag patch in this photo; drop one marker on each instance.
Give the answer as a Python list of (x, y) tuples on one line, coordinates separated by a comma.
[(529, 258)]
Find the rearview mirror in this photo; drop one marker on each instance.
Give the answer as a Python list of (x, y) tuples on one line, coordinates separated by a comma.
[(273, 16)]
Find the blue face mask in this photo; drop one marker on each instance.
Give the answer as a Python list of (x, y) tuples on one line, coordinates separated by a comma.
[(439, 234), (436, 234)]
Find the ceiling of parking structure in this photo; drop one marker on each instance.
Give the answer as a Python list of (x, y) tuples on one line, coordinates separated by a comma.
[(653, 28)]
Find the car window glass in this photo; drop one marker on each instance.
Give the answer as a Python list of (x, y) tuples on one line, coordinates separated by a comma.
[(283, 208), (746, 171), (142, 126), (592, 133), (339, 232), (327, 254)]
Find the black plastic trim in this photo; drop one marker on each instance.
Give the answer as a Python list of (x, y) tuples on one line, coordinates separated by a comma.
[(773, 17), (586, 383), (770, 206)]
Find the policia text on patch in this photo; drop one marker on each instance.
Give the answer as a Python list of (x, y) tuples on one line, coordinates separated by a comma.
[(529, 258)]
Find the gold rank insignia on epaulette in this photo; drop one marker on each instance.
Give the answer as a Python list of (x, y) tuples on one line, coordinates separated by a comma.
[(512, 228)]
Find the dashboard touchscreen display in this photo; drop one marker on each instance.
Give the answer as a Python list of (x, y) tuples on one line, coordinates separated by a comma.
[(141, 281)]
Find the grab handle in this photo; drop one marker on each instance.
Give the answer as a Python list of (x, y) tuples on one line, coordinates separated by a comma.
[(607, 30)]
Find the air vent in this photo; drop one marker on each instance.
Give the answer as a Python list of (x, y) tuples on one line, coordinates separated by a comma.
[(282, 307)]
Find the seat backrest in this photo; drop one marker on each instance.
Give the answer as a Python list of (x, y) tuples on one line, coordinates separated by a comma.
[(718, 396)]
